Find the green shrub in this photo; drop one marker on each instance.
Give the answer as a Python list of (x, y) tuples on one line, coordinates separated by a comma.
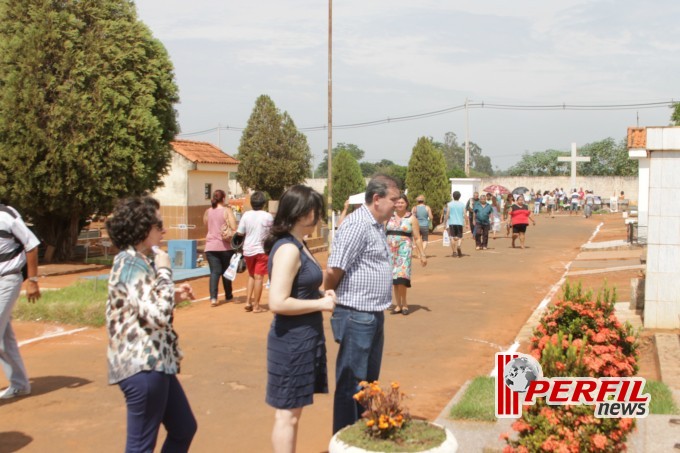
[(578, 337)]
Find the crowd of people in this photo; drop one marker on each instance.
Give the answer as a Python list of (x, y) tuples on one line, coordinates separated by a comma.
[(484, 214), (558, 200), (368, 271)]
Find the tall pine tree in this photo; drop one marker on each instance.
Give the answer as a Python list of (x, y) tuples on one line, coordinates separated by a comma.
[(273, 153), (86, 111), (427, 175), (347, 178)]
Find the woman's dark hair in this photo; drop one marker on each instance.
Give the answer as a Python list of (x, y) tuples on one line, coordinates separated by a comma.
[(403, 196), (132, 220), (296, 202), (218, 197), (257, 200)]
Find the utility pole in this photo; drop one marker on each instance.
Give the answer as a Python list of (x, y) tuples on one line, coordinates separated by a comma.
[(330, 117), (467, 139)]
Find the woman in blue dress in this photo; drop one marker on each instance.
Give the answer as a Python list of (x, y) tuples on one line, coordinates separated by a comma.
[(296, 347)]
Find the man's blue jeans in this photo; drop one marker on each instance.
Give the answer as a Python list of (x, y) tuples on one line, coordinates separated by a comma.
[(10, 359), (361, 338)]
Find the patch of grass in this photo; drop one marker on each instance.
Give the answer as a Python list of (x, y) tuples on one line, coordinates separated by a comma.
[(414, 436), (661, 398), (477, 403), (81, 304), (100, 260)]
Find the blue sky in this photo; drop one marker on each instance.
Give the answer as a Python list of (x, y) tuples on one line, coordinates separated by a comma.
[(401, 57)]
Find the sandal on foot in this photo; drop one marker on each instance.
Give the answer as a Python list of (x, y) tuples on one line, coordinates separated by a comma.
[(259, 310), (248, 307), (396, 310), (404, 311)]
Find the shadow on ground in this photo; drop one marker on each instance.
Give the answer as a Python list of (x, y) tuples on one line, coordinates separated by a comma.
[(46, 384), (12, 441)]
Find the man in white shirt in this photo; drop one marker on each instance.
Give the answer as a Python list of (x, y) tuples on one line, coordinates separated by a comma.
[(18, 248)]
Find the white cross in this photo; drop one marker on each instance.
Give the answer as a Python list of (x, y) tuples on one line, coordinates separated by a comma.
[(573, 159)]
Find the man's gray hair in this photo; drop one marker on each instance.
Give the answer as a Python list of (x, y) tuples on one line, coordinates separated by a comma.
[(378, 185)]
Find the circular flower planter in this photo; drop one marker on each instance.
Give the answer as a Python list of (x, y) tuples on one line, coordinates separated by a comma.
[(450, 445)]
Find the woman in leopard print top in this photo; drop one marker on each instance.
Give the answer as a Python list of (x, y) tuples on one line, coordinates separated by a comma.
[(143, 354)]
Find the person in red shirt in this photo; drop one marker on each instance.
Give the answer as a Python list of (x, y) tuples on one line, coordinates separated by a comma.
[(520, 215)]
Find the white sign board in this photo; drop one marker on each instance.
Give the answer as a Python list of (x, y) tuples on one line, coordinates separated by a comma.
[(358, 198)]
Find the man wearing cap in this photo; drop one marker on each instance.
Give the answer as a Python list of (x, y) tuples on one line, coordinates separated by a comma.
[(18, 248)]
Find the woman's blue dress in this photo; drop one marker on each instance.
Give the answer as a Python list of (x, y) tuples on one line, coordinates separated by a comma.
[(296, 345)]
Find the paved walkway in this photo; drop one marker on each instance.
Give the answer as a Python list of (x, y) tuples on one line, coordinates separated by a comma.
[(462, 312)]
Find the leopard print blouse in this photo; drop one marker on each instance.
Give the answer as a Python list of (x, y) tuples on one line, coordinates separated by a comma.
[(139, 315)]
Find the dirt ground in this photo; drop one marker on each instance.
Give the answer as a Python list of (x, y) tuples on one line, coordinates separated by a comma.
[(462, 312)]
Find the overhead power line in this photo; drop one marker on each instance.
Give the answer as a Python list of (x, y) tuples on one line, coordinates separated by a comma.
[(471, 105)]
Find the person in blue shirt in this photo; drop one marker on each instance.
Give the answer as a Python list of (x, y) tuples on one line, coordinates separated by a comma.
[(424, 215), (482, 212), (454, 213)]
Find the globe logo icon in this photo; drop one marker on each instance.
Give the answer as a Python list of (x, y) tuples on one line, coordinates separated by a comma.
[(520, 372)]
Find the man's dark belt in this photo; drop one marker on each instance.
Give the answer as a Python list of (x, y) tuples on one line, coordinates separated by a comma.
[(16, 271)]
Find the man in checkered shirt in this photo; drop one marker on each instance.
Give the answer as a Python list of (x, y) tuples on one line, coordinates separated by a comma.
[(360, 272)]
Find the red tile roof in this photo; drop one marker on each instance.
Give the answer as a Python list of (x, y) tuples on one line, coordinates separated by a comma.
[(637, 137), (202, 152)]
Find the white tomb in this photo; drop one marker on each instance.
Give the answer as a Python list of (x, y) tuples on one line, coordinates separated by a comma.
[(466, 186), (658, 150)]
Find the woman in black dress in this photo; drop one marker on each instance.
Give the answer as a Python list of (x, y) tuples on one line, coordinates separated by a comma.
[(296, 349)]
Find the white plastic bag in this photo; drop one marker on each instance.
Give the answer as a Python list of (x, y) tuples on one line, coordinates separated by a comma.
[(230, 273), (446, 240)]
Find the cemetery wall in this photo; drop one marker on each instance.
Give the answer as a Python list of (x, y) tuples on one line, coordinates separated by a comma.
[(604, 186)]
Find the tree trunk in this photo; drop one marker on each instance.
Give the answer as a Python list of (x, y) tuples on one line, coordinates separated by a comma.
[(61, 233)]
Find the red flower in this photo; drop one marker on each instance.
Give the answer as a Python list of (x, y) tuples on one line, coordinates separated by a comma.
[(599, 441)]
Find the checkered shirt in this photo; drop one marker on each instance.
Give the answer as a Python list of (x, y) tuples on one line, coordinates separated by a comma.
[(360, 249)]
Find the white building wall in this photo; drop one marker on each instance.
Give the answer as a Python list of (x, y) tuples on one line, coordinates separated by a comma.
[(197, 182), (662, 285), (604, 186), (174, 190)]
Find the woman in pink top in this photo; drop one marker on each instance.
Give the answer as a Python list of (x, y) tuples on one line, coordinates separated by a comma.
[(218, 252)]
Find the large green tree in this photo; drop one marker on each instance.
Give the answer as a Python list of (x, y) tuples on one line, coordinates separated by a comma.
[(354, 150), (607, 158), (86, 111), (273, 153), (541, 163), (454, 155), (427, 175), (675, 116), (347, 178)]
